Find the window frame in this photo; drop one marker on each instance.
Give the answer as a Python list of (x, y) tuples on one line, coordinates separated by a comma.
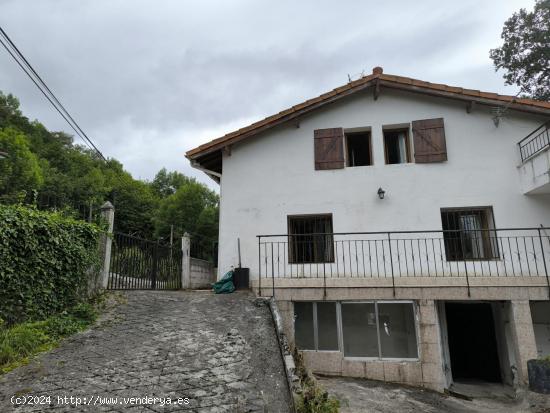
[(316, 326), (397, 129), (358, 131), (290, 239), (340, 332), (488, 245)]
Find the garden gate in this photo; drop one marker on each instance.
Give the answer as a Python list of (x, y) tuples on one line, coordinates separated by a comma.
[(140, 264)]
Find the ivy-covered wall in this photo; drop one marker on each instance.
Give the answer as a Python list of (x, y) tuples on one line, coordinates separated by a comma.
[(46, 261)]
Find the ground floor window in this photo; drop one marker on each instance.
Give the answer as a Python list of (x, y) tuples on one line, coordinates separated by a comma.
[(374, 329), (316, 326)]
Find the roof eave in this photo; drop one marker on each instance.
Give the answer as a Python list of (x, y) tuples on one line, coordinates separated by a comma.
[(357, 86)]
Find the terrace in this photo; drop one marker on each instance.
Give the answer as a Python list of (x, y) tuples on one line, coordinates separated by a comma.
[(466, 258)]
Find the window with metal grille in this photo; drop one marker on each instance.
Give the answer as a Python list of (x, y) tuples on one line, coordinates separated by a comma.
[(310, 239), (469, 233)]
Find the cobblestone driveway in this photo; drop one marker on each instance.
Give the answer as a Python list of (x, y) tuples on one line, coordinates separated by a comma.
[(220, 351)]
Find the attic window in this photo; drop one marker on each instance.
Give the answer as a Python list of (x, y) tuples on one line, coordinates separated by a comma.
[(358, 146), (396, 146)]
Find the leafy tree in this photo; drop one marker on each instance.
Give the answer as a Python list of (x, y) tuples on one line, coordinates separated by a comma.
[(135, 205), (525, 54), (10, 115), (167, 183), (193, 208), (70, 177), (20, 172)]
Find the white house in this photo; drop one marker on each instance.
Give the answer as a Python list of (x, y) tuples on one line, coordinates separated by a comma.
[(400, 224)]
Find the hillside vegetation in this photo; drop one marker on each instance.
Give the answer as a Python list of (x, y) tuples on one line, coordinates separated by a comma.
[(48, 170)]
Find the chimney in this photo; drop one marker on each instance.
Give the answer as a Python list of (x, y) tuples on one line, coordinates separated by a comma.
[(377, 70)]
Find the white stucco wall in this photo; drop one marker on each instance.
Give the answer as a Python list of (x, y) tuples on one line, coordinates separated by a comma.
[(272, 175), (535, 174)]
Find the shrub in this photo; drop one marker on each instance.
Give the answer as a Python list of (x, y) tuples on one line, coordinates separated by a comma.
[(45, 262), (312, 398)]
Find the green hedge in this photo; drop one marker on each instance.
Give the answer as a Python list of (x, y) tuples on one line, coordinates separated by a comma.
[(46, 260)]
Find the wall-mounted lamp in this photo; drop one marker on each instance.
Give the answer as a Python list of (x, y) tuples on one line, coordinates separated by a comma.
[(381, 193)]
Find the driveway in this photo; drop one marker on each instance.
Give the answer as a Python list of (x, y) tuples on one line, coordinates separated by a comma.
[(192, 351)]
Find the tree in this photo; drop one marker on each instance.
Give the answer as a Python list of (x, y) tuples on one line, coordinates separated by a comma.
[(525, 54), (20, 171), (72, 178), (135, 204), (193, 208), (167, 183)]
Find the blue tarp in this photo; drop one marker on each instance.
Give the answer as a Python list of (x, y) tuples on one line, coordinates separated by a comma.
[(225, 284)]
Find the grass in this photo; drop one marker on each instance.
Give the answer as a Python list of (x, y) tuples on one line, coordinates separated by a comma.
[(20, 342)]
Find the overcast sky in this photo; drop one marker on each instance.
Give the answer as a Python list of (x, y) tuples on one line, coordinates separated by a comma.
[(148, 80)]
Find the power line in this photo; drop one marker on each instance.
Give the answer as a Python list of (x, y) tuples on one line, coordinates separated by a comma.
[(38, 86), (24, 64), (46, 91)]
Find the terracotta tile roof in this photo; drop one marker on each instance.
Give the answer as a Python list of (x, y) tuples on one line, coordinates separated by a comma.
[(391, 81)]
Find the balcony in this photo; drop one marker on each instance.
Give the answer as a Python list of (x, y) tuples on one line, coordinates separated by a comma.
[(465, 258), (535, 161)]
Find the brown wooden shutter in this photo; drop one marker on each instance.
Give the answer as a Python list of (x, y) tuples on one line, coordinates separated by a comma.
[(429, 140), (329, 148)]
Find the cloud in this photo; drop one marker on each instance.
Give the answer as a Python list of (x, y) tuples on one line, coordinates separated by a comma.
[(148, 80)]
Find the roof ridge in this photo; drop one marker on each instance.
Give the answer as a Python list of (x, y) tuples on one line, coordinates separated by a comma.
[(377, 74)]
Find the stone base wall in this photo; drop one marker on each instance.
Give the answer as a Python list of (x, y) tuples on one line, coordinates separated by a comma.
[(428, 371)]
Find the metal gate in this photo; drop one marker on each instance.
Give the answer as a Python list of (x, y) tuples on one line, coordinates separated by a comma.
[(139, 264)]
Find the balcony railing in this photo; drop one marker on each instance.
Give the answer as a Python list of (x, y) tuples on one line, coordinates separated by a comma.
[(517, 252), (535, 142)]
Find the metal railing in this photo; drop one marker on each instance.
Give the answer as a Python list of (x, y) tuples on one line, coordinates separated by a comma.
[(535, 142), (516, 252)]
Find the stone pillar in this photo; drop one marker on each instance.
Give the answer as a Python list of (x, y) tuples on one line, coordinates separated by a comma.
[(185, 261), (523, 338), (431, 354), (108, 214)]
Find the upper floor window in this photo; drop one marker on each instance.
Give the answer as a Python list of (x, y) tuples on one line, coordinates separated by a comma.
[(469, 233), (396, 146), (310, 239), (358, 145), (335, 148)]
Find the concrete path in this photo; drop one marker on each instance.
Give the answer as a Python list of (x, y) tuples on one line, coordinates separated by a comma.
[(367, 396), (218, 351)]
